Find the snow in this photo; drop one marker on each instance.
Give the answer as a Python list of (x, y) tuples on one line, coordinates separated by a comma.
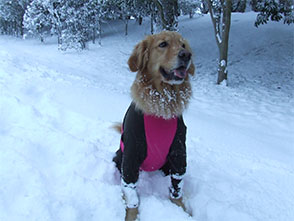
[(130, 194), (57, 109), (223, 63), (219, 39)]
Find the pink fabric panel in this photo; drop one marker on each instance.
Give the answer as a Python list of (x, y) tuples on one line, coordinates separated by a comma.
[(159, 134)]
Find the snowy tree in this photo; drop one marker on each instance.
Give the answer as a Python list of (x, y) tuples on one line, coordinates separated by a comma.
[(74, 22), (204, 7), (220, 12), (37, 19), (44, 17), (96, 14), (145, 8), (54, 8), (11, 16), (239, 5), (273, 10), (168, 12), (158, 12), (142, 8), (127, 10), (111, 9), (75, 32), (189, 7)]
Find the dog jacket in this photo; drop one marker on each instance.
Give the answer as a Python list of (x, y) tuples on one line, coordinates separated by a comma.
[(150, 143), (159, 135)]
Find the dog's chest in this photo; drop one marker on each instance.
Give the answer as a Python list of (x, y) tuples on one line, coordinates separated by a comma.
[(159, 134)]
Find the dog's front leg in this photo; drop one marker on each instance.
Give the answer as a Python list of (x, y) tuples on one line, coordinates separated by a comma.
[(176, 188), (131, 198), (130, 175), (134, 153), (176, 194)]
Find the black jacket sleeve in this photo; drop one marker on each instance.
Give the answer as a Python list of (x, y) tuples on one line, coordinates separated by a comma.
[(177, 160), (135, 148), (177, 157)]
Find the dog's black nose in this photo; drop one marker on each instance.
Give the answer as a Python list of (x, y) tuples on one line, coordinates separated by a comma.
[(184, 55)]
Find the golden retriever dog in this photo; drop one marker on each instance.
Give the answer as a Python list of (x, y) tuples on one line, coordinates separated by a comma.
[(153, 133)]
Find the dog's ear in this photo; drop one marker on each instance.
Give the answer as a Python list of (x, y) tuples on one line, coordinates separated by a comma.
[(191, 69), (139, 58)]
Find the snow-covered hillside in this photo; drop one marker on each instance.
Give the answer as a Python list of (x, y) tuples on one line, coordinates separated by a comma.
[(56, 144)]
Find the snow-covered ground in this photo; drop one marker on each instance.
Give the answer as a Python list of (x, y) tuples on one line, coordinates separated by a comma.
[(56, 144)]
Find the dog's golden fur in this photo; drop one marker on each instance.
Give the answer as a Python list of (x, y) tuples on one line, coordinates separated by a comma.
[(152, 93)]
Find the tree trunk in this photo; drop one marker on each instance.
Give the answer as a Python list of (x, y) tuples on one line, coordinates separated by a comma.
[(59, 41), (126, 25), (168, 11), (152, 10), (94, 35), (140, 20), (100, 31), (220, 12), (171, 14), (152, 23), (191, 14), (161, 13)]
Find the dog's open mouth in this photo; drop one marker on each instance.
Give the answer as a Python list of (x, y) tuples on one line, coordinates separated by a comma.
[(177, 74), (180, 72)]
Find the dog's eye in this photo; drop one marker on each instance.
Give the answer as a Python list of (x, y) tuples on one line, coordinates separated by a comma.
[(184, 46), (163, 44)]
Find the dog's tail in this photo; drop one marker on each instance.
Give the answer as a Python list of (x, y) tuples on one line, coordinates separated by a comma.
[(117, 127)]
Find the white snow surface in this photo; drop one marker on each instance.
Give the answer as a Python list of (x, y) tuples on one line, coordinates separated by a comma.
[(57, 109)]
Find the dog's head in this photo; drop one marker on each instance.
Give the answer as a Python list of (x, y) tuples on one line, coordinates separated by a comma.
[(164, 57)]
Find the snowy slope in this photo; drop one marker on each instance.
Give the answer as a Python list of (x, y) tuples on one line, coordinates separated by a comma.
[(56, 144)]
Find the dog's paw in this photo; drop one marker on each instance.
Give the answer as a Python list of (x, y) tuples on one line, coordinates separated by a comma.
[(131, 214), (180, 202)]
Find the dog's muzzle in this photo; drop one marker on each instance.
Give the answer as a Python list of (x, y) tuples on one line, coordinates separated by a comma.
[(178, 74)]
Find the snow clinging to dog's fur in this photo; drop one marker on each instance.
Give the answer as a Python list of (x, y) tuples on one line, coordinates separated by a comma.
[(163, 103)]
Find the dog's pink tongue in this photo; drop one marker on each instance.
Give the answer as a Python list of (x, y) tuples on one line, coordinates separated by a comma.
[(181, 73)]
